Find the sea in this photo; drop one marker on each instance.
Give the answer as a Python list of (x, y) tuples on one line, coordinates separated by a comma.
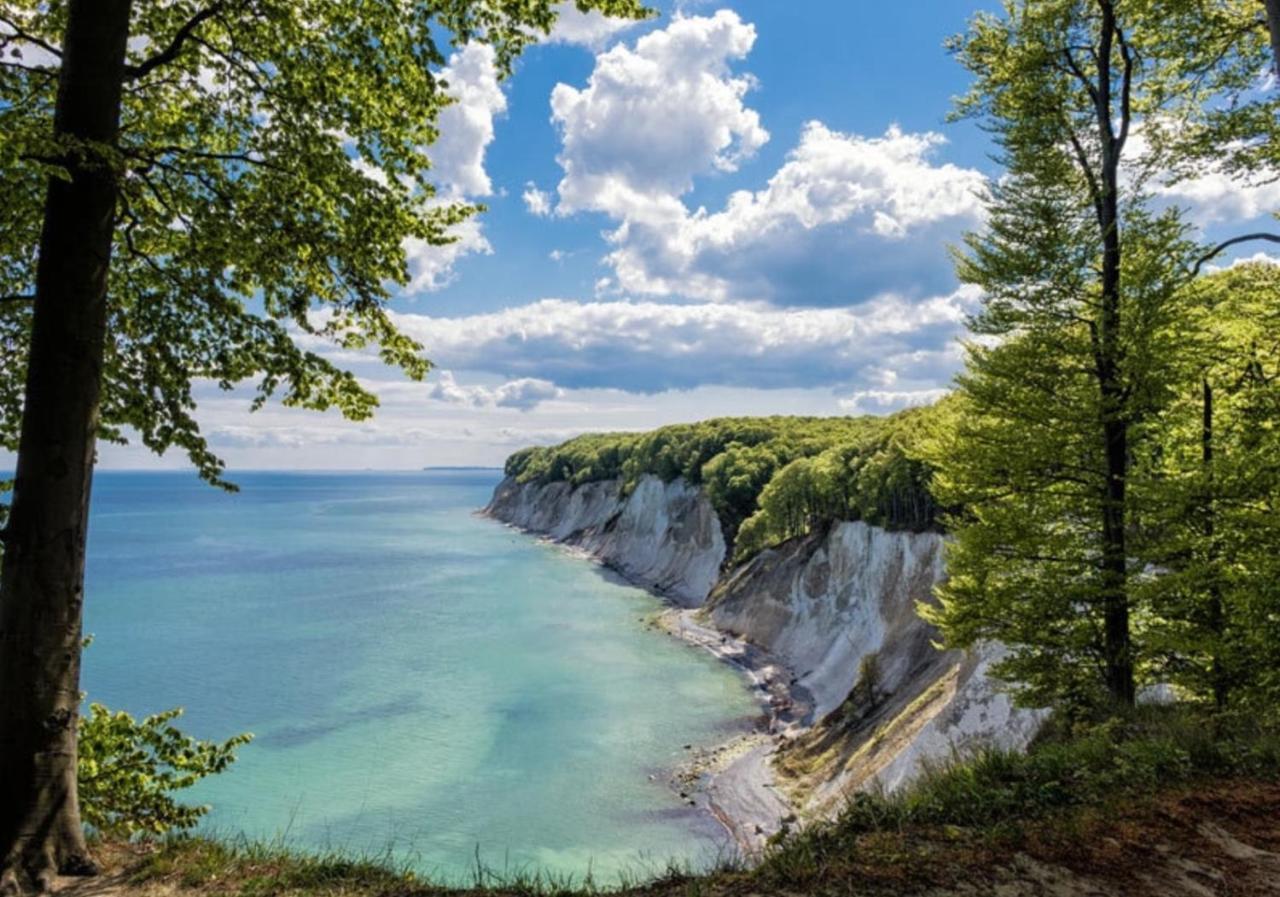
[(423, 684)]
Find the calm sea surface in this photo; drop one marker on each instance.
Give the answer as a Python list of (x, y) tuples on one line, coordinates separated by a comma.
[(417, 678)]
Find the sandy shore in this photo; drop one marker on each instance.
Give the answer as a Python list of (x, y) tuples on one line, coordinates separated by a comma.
[(734, 781)]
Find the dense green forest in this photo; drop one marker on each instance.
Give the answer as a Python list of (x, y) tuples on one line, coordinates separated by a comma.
[(769, 478)]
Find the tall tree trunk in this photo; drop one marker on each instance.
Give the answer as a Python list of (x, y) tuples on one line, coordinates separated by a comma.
[(1273, 26), (1117, 646), (42, 581)]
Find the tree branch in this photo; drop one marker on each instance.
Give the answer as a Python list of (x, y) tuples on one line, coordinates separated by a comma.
[(170, 53), (16, 300), (1126, 91), (29, 38), (1227, 244)]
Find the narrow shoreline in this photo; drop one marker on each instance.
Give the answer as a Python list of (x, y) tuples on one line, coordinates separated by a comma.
[(733, 780)]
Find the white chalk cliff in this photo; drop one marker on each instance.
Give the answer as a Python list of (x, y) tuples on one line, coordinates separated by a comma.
[(834, 606), (665, 536)]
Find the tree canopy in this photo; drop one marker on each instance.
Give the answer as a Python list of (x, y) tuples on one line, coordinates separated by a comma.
[(273, 159), (769, 478)]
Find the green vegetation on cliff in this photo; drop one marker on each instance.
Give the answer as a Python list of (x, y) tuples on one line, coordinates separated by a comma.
[(769, 478)]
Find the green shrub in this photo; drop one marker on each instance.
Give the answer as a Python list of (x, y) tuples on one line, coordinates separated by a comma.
[(130, 769)]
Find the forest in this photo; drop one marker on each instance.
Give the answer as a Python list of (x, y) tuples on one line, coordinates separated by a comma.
[(769, 478)]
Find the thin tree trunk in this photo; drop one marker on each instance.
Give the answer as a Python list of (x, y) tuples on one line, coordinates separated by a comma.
[(42, 581), (1217, 675)]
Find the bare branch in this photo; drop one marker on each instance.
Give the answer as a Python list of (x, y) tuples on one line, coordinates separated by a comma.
[(152, 155), (170, 53), (1079, 73), (28, 37), (1227, 244), (1082, 159)]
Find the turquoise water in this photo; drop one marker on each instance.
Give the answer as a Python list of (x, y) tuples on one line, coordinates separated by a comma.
[(417, 678)]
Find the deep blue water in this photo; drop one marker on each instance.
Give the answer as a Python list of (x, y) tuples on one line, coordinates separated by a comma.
[(416, 677)]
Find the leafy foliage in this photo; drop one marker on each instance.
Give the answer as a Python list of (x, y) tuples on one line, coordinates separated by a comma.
[(272, 166), (1211, 495), (769, 478), (1073, 355), (130, 770)]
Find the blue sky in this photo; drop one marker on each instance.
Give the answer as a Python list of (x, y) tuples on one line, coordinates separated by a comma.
[(739, 207)]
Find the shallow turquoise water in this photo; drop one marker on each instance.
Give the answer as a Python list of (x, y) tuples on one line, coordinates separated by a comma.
[(416, 677)]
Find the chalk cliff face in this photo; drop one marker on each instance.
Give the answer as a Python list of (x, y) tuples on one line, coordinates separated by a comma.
[(823, 603), (838, 608), (663, 535)]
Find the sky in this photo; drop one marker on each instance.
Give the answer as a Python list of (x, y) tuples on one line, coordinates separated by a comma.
[(738, 207)]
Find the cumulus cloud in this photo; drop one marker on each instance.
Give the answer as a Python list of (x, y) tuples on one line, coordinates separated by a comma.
[(537, 202), (458, 157), (1214, 196), (1258, 258), (523, 394), (654, 115), (844, 215), (881, 401), (466, 125), (431, 267), (648, 347)]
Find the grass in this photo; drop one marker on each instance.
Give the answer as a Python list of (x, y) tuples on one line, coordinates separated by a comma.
[(962, 818)]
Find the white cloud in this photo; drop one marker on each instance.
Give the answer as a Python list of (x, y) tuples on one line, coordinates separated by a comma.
[(834, 218), (431, 267), (647, 347), (654, 115), (881, 401), (524, 394), (1215, 196), (592, 29), (1210, 196), (466, 125), (843, 215), (537, 202), (458, 159), (1258, 258)]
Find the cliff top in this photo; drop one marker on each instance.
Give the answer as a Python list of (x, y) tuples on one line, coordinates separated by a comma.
[(769, 478)]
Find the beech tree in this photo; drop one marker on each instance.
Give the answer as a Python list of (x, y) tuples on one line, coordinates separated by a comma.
[(190, 191), (1093, 103), (1078, 278)]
